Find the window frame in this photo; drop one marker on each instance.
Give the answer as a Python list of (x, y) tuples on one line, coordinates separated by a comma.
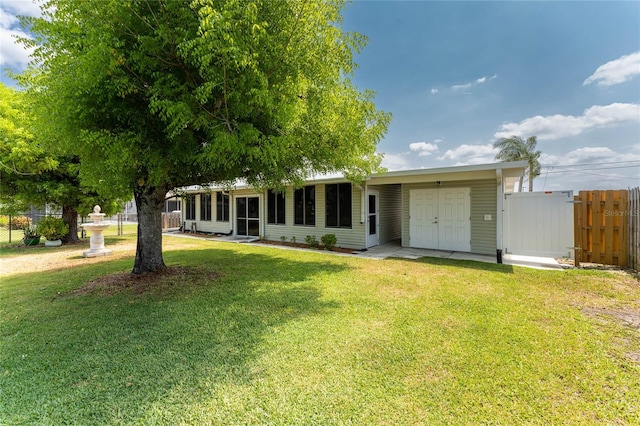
[(205, 207), (276, 207), (342, 211), (222, 207), (190, 207), (304, 203)]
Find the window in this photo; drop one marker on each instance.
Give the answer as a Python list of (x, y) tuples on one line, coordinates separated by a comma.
[(222, 207), (172, 205), (190, 207), (275, 207), (205, 207), (338, 202), (305, 206)]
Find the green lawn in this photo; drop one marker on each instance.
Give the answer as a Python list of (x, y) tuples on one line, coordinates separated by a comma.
[(270, 336)]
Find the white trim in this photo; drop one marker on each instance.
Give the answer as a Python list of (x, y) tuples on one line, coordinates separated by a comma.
[(372, 241)]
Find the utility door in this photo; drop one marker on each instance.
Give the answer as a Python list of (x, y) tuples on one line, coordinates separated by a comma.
[(440, 219), (423, 218), (373, 218)]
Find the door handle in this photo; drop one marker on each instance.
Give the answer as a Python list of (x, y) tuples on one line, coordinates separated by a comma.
[(436, 220)]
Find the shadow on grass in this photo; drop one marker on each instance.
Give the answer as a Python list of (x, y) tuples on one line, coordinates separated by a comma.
[(115, 359), (470, 264)]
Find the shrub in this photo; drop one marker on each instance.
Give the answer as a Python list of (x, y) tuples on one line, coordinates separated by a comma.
[(329, 241), (53, 228), (4, 221), (30, 232), (293, 239), (20, 222), (312, 241)]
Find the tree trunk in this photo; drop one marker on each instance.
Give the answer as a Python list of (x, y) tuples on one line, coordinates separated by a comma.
[(531, 182), (149, 202), (70, 217)]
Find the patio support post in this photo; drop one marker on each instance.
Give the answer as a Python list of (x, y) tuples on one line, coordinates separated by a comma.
[(499, 215)]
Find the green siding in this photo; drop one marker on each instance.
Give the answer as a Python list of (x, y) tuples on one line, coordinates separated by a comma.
[(483, 201), (349, 238)]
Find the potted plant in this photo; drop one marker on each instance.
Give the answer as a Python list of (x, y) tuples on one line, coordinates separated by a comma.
[(31, 235), (53, 229)]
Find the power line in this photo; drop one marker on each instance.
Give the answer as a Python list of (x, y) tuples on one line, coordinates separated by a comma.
[(591, 164), (561, 170)]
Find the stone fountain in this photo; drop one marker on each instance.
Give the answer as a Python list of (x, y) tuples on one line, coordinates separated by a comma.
[(96, 242)]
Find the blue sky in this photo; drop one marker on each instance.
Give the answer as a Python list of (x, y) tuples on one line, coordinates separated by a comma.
[(459, 75)]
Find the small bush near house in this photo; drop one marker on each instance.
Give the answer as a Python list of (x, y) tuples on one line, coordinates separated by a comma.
[(312, 241), (329, 241), (4, 221), (20, 222)]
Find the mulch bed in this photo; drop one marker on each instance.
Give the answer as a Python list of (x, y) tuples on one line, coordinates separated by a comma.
[(149, 282), (305, 246)]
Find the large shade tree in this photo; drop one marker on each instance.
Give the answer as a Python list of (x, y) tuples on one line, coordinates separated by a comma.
[(155, 95), (35, 173), (517, 149)]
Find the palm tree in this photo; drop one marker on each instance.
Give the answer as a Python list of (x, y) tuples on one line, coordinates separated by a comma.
[(516, 149)]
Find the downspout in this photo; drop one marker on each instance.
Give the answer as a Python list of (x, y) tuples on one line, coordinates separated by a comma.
[(363, 206), (499, 214)]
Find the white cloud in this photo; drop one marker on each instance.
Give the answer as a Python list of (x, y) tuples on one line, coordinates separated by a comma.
[(598, 167), (20, 7), (424, 148), (470, 154), (560, 126), (596, 155), (434, 91), (13, 54), (478, 81), (461, 86), (395, 162), (616, 71)]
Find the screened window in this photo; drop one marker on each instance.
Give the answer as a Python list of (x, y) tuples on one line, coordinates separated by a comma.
[(205, 207), (275, 207), (190, 207), (304, 200), (222, 207), (338, 203)]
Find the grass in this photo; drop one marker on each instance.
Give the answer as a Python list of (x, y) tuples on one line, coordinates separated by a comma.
[(290, 337)]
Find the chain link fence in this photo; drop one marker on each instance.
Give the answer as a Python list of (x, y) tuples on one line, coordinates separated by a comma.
[(12, 227)]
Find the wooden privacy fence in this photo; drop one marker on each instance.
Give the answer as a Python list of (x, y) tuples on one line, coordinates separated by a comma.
[(634, 228), (170, 220), (606, 227)]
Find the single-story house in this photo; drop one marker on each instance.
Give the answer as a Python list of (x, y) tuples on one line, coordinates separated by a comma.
[(454, 208)]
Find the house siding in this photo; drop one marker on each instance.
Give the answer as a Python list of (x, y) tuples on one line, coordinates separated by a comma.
[(353, 237), (483, 201)]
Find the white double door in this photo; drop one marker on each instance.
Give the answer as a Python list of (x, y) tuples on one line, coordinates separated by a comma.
[(440, 219)]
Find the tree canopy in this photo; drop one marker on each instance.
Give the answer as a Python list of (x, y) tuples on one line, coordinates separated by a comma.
[(36, 173), (516, 149), (154, 95)]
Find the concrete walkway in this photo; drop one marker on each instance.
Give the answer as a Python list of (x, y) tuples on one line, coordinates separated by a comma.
[(393, 249)]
